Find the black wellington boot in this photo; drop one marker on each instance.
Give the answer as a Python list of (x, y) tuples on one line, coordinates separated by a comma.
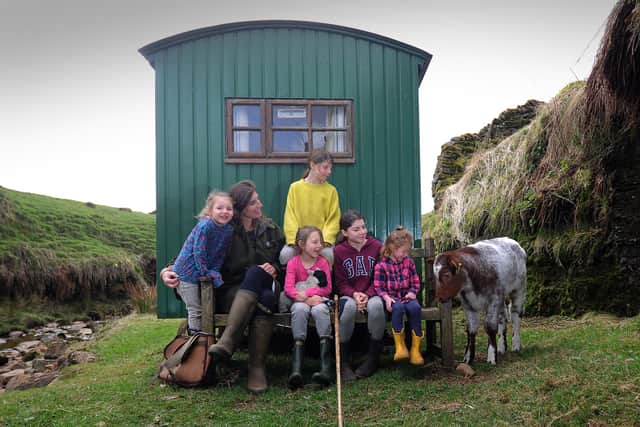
[(323, 376), (373, 359), (346, 373), (295, 379)]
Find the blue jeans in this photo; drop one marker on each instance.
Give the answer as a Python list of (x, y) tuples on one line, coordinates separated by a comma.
[(412, 309)]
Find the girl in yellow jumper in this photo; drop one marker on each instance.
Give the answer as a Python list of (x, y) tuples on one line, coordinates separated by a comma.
[(312, 201)]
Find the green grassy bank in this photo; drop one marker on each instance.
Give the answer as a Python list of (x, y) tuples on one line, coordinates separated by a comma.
[(56, 252)]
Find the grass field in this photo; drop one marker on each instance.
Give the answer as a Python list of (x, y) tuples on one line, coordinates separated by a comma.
[(570, 373)]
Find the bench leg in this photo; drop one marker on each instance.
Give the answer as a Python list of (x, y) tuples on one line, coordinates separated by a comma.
[(430, 332)]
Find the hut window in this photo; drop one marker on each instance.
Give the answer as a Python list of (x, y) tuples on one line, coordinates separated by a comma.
[(286, 130)]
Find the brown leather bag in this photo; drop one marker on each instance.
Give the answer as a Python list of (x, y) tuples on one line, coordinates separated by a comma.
[(187, 362)]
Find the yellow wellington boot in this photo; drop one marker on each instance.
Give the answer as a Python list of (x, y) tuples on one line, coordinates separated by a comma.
[(401, 349), (416, 357)]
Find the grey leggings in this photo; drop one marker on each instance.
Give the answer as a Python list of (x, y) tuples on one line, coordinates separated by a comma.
[(190, 294), (300, 319), (376, 319)]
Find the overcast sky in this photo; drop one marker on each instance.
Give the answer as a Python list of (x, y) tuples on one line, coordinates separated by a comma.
[(77, 99)]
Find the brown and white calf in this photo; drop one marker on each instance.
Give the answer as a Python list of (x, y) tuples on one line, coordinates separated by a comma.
[(486, 276)]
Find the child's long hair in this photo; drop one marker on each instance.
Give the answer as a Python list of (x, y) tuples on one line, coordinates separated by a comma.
[(303, 234), (346, 220), (396, 239), (210, 200), (317, 156)]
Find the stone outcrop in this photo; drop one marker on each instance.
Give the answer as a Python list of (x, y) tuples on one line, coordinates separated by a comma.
[(456, 153), (35, 358), (625, 221)]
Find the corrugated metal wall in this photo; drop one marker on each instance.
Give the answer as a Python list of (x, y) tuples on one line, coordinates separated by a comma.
[(192, 80)]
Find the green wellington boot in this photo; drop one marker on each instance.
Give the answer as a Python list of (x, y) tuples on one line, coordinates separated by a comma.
[(259, 339), (242, 308)]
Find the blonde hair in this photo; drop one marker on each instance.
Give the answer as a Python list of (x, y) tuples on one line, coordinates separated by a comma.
[(316, 157), (211, 198), (396, 239), (303, 234)]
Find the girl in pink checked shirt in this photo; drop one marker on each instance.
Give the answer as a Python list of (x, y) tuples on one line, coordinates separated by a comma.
[(396, 281), (309, 244)]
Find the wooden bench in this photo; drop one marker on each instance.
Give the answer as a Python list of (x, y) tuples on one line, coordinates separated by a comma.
[(436, 317)]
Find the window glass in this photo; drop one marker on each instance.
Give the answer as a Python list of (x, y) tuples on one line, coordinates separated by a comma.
[(289, 115), (283, 130), (246, 141), (328, 116), (246, 116), (290, 141), (332, 141)]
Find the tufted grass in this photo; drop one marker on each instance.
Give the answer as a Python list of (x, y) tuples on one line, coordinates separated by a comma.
[(570, 373), (57, 253)]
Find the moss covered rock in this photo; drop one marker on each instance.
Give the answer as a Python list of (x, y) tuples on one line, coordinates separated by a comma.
[(456, 153)]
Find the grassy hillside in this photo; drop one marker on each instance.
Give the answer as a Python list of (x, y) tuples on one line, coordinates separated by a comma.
[(70, 230), (569, 373), (61, 251)]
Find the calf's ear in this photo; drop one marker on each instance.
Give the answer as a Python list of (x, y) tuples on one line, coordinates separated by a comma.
[(455, 264)]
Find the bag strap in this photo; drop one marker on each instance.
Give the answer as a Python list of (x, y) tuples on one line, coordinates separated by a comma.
[(177, 357)]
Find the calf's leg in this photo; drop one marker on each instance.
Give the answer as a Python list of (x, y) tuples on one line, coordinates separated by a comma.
[(491, 327), (502, 332), (515, 339), (517, 308), (473, 321)]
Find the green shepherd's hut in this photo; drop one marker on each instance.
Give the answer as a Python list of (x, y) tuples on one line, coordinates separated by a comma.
[(249, 100)]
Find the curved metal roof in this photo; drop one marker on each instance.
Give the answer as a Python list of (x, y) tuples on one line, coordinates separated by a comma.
[(148, 50)]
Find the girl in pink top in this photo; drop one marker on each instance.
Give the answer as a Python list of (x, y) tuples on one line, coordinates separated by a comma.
[(308, 284)]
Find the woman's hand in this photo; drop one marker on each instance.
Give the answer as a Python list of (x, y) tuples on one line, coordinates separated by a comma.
[(301, 296), (314, 300), (169, 277), (269, 269)]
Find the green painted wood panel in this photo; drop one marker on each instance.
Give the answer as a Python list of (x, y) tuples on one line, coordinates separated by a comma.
[(194, 77)]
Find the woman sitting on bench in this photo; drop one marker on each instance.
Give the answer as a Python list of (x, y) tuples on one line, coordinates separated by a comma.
[(248, 273)]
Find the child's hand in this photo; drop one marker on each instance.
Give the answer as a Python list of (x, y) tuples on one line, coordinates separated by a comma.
[(388, 302), (301, 296), (410, 295), (314, 300), (361, 300)]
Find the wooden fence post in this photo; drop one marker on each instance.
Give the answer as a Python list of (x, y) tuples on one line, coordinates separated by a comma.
[(446, 333), (429, 252), (208, 301)]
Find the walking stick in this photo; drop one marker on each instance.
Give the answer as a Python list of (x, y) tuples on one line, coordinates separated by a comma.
[(336, 315)]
